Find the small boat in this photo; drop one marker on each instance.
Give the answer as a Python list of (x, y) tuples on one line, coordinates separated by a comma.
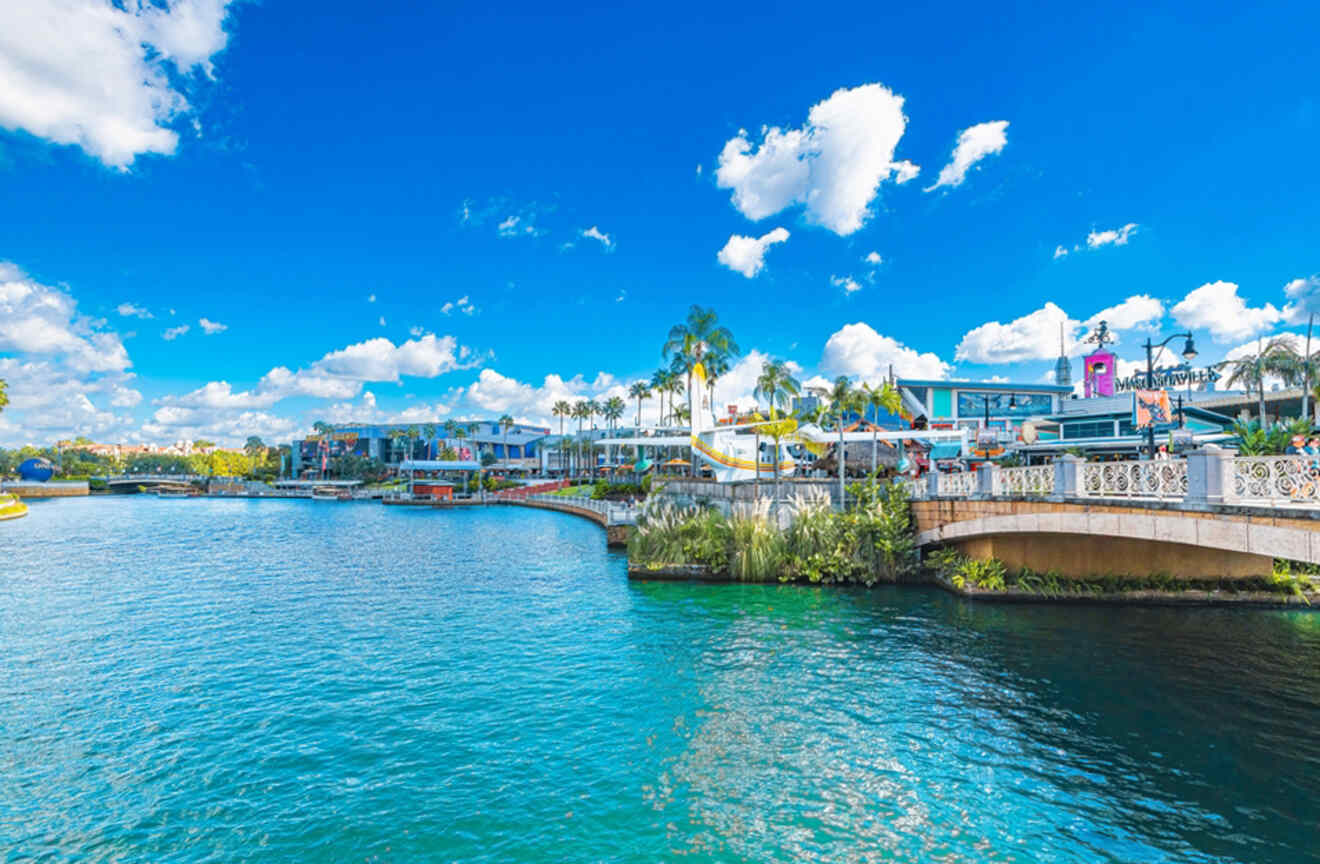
[(173, 493), (330, 493)]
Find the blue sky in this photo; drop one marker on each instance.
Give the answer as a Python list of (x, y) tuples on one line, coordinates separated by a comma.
[(321, 182)]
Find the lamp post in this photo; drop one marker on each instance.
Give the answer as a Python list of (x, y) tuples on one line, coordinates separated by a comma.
[(985, 401), (1188, 353)]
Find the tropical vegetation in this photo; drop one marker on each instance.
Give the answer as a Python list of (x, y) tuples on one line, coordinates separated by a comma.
[(872, 541)]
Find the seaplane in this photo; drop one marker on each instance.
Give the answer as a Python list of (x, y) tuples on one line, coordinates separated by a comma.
[(750, 450)]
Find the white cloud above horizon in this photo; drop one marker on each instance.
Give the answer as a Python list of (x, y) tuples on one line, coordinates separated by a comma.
[(832, 166), (746, 255), (974, 144), (1218, 308), (857, 350), (109, 80)]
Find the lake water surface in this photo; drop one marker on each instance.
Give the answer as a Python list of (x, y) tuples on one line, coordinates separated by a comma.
[(207, 680)]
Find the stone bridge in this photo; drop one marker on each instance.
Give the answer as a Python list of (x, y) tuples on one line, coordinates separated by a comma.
[(1212, 515)]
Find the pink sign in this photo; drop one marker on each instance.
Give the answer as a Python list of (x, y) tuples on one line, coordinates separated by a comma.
[(1099, 379)]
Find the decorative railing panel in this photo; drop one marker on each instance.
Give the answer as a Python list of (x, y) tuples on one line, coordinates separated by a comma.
[(960, 484), (1027, 480), (1164, 479), (1276, 480)]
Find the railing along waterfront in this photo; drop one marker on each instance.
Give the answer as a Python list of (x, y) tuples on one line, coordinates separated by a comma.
[(1162, 479), (1026, 480), (615, 512), (961, 483), (1276, 480)]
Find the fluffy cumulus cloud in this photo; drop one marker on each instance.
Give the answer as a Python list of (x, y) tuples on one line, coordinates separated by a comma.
[(874, 259), (66, 373), (746, 255), (42, 320), (1111, 237), (974, 144), (171, 423), (1303, 299), (1138, 312), (1031, 337), (833, 165), (1218, 308), (109, 78), (494, 393), (858, 350), (366, 410)]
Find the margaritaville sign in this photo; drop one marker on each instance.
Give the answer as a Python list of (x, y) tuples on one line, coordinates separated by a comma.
[(1167, 379)]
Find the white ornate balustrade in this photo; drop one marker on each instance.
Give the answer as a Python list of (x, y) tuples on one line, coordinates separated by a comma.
[(1163, 479), (1276, 480), (961, 484), (1026, 480)]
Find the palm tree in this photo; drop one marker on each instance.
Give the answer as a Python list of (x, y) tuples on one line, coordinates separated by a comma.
[(775, 384), (885, 396), (717, 365), (561, 410), (639, 391), (659, 383), (699, 334), (612, 410), (843, 399), (253, 448), (413, 434), (506, 423), (674, 384), (430, 430), (581, 411), (1275, 357)]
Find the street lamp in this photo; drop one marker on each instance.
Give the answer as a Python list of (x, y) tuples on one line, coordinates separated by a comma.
[(1188, 353), (985, 401)]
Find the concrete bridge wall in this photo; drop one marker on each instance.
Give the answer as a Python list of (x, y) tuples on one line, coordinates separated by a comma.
[(1081, 539)]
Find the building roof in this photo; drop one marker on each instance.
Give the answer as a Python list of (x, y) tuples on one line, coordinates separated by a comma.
[(439, 465), (994, 386)]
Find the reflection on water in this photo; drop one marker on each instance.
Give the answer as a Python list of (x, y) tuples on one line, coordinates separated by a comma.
[(225, 680)]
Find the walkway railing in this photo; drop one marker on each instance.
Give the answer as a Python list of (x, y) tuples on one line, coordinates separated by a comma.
[(1027, 480), (1160, 479), (1205, 477), (1277, 479), (615, 512)]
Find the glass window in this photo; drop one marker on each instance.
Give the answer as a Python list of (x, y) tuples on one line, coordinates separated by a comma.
[(972, 403)]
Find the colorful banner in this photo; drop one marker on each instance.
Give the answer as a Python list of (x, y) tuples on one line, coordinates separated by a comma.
[(1151, 408)]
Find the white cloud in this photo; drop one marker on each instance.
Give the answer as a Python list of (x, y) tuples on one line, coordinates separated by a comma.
[(858, 350), (595, 234), (171, 423), (746, 255), (172, 333), (382, 321), (106, 79), (462, 304), (380, 359), (495, 393), (1138, 312), (1112, 237), (43, 320), (1216, 307), (1059, 252), (847, 283), (833, 165), (367, 411), (1303, 299), (874, 259), (128, 310), (212, 327), (371, 298), (905, 171), (415, 331), (1031, 337), (974, 144), (509, 227)]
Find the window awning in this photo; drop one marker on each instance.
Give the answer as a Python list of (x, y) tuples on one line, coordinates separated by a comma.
[(945, 450)]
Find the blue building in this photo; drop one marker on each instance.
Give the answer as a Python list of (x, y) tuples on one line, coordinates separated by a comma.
[(515, 449)]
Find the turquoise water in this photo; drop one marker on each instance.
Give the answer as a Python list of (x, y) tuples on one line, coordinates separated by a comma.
[(273, 681)]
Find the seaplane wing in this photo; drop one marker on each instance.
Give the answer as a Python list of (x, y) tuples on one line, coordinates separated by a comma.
[(642, 441)]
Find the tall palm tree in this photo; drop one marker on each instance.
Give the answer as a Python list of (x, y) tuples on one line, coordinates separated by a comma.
[(639, 391), (698, 335), (413, 434), (612, 410), (717, 365), (843, 399), (674, 384), (562, 409), (506, 423), (885, 396), (1275, 357), (581, 411), (776, 385), (429, 431)]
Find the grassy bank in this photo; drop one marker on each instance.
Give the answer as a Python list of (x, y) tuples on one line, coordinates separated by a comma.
[(1288, 580), (870, 542)]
